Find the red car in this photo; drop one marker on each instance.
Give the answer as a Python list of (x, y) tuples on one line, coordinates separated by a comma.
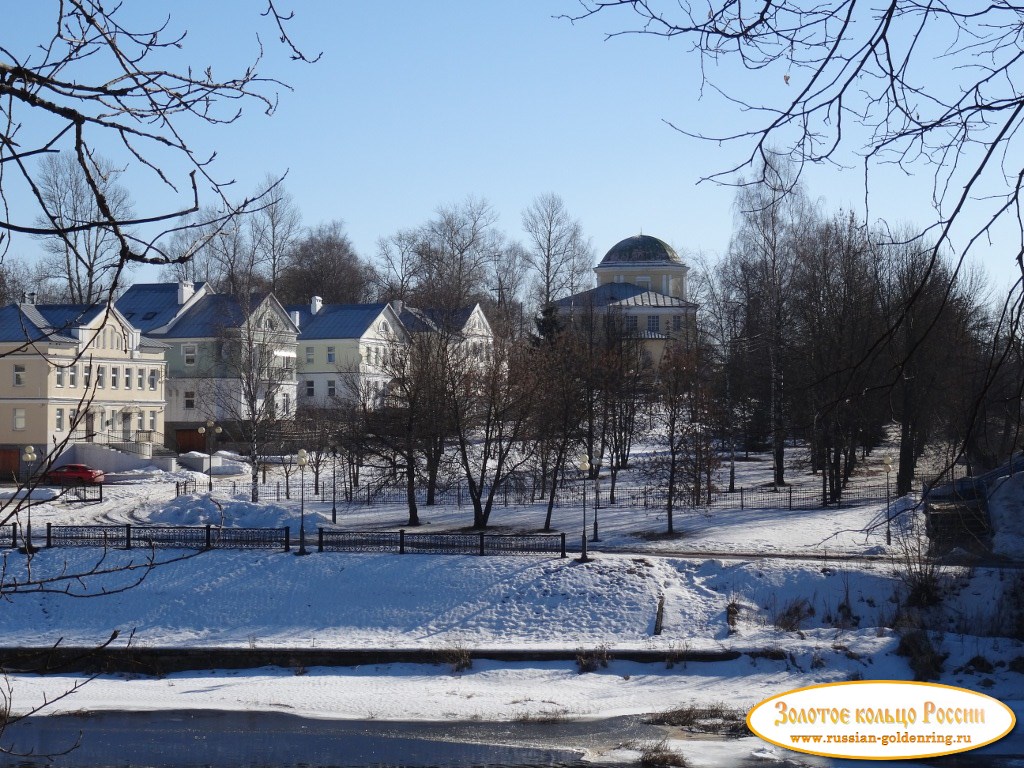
[(73, 474)]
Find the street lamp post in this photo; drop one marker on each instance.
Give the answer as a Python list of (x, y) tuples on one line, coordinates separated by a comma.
[(301, 458), (887, 460), (597, 496), (584, 467), (29, 457), (334, 484), (209, 431)]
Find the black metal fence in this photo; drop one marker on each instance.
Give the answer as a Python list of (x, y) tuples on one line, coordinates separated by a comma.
[(130, 536), (569, 494), (476, 543), (178, 537)]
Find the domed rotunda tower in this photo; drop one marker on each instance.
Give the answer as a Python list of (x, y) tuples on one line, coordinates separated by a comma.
[(645, 262)]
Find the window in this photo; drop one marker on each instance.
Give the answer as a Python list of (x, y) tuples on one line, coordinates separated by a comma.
[(73, 376), (331, 388), (631, 323), (59, 420), (309, 355), (677, 322), (101, 376), (127, 378), (115, 377), (654, 324), (330, 354), (190, 401), (152, 378), (310, 388), (19, 418), (73, 418), (152, 420), (140, 380), (87, 376), (149, 316), (286, 403), (141, 421), (376, 355), (188, 351), (19, 375), (60, 376)]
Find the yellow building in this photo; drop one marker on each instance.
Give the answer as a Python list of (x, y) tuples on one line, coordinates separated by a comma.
[(77, 374), (643, 282)]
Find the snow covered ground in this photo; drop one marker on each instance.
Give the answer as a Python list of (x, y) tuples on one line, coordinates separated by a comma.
[(840, 613)]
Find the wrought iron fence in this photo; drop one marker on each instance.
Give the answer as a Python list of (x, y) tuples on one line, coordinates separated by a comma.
[(403, 543), (166, 536), (570, 493)]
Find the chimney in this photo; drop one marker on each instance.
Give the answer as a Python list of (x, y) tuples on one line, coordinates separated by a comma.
[(185, 291), (295, 317), (316, 304), (397, 305)]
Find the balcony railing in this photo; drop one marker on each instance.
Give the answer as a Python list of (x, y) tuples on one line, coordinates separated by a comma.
[(139, 441)]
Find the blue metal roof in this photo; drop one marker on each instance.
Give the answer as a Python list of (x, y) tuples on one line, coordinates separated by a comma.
[(336, 321), (207, 318), (150, 305), (34, 322), (602, 296)]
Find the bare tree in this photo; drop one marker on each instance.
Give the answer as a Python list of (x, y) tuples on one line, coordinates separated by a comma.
[(253, 389), (275, 228), (491, 404), (559, 254), (102, 79), (83, 262), (400, 267), (325, 258), (859, 86)]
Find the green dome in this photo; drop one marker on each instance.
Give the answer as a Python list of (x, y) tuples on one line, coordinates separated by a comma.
[(641, 249)]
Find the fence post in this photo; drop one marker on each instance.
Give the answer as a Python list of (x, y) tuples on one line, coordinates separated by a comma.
[(458, 489), (287, 538), (209, 539), (505, 492), (14, 535), (401, 541), (49, 537), (278, 490), (320, 540), (481, 543), (127, 535), (101, 492), (368, 502), (741, 498), (791, 498), (563, 544), (234, 487)]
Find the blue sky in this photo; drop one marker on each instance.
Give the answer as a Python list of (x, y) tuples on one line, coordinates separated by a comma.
[(419, 104)]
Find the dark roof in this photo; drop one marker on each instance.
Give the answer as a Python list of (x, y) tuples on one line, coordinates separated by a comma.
[(420, 320), (640, 248), (601, 296), (150, 305), (63, 316), (620, 295), (207, 318), (18, 326), (335, 321)]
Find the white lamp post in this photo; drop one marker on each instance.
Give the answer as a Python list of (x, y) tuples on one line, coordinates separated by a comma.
[(302, 458), (887, 461), (584, 467), (29, 457), (209, 431)]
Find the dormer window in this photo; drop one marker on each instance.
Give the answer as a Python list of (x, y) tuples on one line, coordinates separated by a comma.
[(149, 316)]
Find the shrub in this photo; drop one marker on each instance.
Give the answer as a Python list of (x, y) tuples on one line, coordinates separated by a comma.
[(592, 660)]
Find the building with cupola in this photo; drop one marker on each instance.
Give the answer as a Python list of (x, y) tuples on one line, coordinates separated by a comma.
[(642, 287)]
